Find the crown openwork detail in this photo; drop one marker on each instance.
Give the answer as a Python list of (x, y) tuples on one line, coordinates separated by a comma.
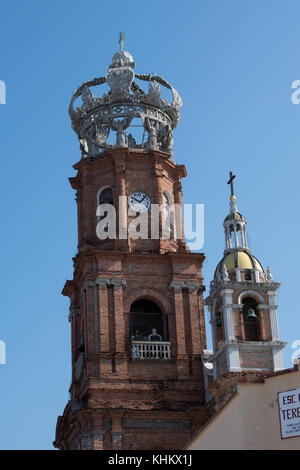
[(126, 115)]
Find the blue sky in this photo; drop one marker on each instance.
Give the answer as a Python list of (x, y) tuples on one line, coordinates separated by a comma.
[(233, 63)]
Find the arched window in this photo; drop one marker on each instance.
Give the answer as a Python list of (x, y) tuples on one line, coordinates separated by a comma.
[(147, 322), (248, 275), (251, 319), (105, 196)]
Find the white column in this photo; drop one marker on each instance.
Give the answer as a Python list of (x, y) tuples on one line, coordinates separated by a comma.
[(233, 358), (277, 359), (273, 316), (212, 320), (236, 237), (232, 350), (243, 234), (227, 310), (256, 275), (227, 242)]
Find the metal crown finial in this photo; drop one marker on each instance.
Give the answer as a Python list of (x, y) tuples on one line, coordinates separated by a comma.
[(96, 118), (121, 41)]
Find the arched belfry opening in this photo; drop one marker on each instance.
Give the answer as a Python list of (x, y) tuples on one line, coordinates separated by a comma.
[(146, 316), (149, 331), (251, 320)]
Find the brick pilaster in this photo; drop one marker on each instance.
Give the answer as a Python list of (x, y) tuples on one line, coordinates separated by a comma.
[(195, 321), (120, 333)]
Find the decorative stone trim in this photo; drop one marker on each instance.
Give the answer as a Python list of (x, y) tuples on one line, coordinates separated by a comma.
[(117, 282), (216, 285), (222, 307), (248, 345), (260, 344), (266, 307), (103, 281), (251, 293), (110, 282), (190, 285), (226, 291)]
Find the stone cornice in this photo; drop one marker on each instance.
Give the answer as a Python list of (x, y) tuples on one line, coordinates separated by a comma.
[(226, 290), (190, 285), (69, 288), (266, 307), (126, 152), (117, 282), (187, 257), (107, 281), (270, 288), (246, 345)]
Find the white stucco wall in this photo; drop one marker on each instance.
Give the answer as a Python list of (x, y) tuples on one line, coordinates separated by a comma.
[(250, 420)]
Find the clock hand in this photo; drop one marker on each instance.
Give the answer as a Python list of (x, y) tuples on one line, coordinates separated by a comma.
[(136, 199), (139, 201)]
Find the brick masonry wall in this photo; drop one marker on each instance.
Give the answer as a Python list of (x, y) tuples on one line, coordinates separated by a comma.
[(118, 402), (256, 359)]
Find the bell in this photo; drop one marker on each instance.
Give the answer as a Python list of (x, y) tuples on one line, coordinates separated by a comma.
[(251, 315)]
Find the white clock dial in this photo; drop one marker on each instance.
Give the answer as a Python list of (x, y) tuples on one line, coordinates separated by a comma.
[(139, 201)]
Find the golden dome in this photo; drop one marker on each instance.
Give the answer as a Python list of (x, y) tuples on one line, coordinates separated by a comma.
[(239, 259)]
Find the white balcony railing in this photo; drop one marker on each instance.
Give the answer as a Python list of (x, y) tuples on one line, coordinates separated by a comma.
[(151, 350)]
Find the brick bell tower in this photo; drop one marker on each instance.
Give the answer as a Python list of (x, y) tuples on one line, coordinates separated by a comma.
[(243, 311), (136, 303)]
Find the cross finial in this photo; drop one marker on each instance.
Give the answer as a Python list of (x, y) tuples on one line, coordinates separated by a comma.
[(231, 178), (121, 41)]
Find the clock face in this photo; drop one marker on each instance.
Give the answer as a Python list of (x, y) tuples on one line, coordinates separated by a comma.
[(139, 201)]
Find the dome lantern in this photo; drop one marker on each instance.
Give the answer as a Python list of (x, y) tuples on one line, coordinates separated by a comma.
[(235, 224), (238, 263)]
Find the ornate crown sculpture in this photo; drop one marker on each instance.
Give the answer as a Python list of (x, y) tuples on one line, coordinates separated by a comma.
[(94, 120)]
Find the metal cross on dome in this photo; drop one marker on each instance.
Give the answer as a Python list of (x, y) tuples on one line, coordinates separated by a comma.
[(231, 178)]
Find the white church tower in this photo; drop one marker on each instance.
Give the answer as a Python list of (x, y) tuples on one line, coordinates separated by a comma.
[(243, 307)]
